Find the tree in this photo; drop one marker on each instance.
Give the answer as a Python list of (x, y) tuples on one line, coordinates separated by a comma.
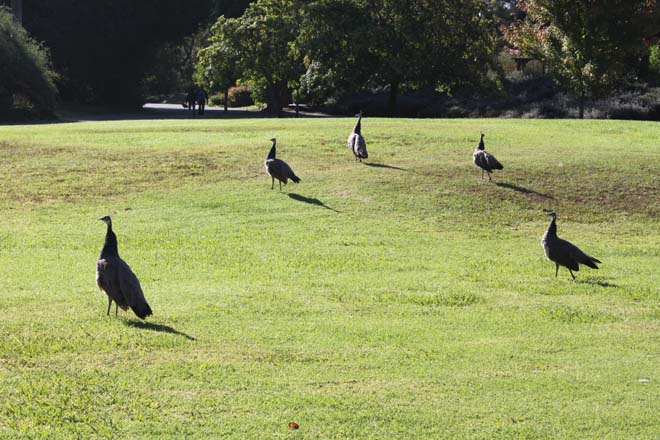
[(256, 47), (25, 75), (587, 44), (399, 43), (219, 63)]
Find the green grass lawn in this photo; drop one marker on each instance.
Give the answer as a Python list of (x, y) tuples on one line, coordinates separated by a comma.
[(402, 297)]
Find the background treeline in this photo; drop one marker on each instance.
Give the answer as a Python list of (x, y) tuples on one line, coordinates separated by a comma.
[(598, 58)]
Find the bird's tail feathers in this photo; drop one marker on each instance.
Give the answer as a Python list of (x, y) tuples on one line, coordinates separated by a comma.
[(590, 261), (295, 178), (142, 310)]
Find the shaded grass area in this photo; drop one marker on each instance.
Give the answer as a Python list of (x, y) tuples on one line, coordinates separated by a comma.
[(407, 299)]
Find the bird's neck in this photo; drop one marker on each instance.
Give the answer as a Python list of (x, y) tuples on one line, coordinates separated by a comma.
[(481, 143), (110, 248), (272, 152), (358, 126), (552, 229)]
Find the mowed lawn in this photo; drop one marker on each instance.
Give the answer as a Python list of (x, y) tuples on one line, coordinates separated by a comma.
[(402, 297)]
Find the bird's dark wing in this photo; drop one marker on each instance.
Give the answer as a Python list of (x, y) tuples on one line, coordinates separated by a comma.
[(131, 289), (579, 256), (493, 163), (360, 148), (107, 278), (286, 170), (280, 170), (569, 255)]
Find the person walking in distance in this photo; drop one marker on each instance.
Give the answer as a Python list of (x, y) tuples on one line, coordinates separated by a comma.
[(190, 101), (202, 97)]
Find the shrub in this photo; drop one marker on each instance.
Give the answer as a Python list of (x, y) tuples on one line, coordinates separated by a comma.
[(218, 99), (26, 81), (240, 96)]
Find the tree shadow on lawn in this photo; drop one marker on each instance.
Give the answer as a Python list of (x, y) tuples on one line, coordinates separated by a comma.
[(522, 190), (157, 328), (310, 201), (382, 165)]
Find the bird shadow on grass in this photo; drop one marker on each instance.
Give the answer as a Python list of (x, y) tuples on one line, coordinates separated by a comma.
[(522, 190), (157, 328), (311, 201), (596, 281), (382, 165)]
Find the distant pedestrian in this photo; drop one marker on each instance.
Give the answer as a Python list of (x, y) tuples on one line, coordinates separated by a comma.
[(202, 97), (190, 100)]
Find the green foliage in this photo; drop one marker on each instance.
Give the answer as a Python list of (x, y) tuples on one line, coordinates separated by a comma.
[(25, 77), (239, 96), (367, 302), (587, 44), (256, 48), (397, 43), (654, 58), (218, 64), (348, 45), (317, 84)]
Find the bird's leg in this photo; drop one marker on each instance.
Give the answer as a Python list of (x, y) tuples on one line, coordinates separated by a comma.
[(556, 269), (116, 307), (482, 174), (109, 304), (280, 185), (572, 274), (272, 183), (489, 178)]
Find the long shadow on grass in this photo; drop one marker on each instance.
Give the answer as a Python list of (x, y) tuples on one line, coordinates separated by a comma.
[(522, 190), (382, 165), (311, 201), (595, 281), (157, 328)]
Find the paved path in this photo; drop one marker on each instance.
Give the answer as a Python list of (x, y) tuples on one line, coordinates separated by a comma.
[(167, 111)]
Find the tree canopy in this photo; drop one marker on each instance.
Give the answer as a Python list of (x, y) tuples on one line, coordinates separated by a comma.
[(331, 50), (588, 45), (256, 47), (347, 45)]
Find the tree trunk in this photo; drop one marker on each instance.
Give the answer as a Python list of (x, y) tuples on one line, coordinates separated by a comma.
[(274, 104), (226, 98), (394, 93)]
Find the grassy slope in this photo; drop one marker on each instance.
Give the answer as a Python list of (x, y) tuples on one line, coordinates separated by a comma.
[(405, 301)]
